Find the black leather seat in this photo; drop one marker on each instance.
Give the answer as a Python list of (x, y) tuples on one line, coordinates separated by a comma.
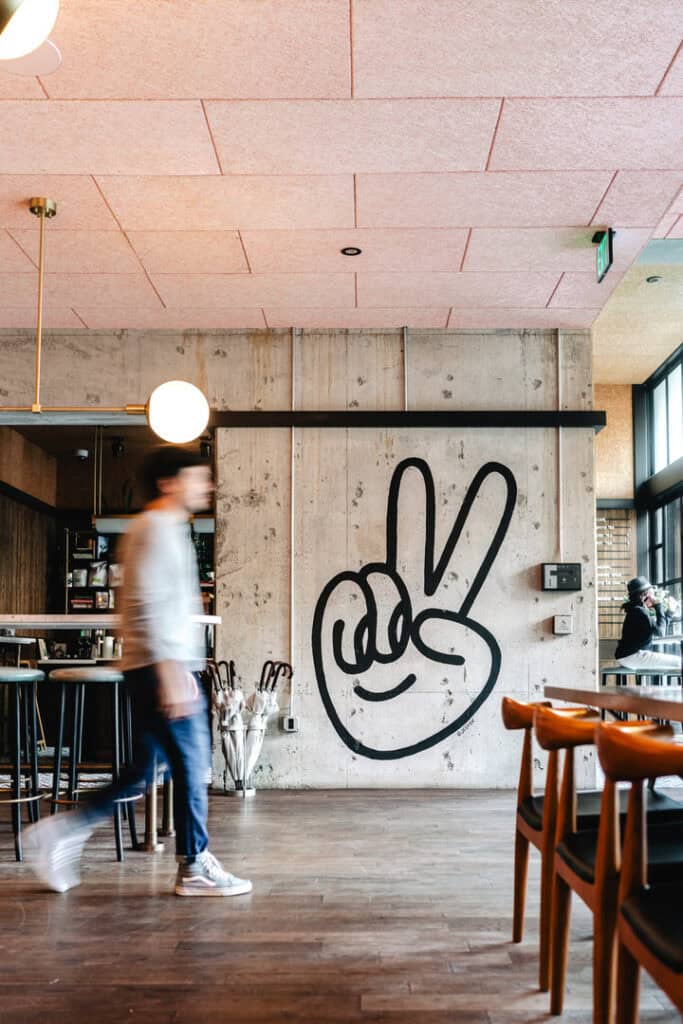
[(588, 810), (664, 851), (656, 917)]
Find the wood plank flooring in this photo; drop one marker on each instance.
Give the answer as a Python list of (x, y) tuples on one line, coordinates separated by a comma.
[(369, 906)]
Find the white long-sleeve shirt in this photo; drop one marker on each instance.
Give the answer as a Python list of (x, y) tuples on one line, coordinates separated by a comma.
[(160, 593)]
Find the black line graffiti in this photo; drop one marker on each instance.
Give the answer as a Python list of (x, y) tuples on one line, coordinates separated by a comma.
[(403, 628)]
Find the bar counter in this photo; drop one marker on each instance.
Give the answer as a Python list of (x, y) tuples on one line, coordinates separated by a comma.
[(76, 621)]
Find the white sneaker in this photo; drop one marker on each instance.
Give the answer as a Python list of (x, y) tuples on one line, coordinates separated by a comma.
[(53, 850), (206, 877)]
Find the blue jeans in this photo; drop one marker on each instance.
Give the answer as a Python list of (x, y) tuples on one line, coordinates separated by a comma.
[(183, 743)]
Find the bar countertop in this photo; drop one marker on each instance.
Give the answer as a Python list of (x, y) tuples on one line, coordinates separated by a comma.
[(75, 621)]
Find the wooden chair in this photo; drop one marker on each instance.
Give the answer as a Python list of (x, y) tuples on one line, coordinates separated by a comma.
[(535, 823), (649, 920), (586, 861)]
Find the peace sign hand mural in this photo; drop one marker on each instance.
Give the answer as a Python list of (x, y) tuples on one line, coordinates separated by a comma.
[(387, 631)]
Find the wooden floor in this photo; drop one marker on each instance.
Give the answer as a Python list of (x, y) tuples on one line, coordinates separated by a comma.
[(367, 906)]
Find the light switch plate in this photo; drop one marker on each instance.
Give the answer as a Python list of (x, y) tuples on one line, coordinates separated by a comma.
[(563, 625)]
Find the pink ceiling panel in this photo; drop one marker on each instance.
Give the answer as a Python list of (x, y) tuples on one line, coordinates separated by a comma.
[(677, 205), (673, 83), (61, 137), (665, 225), (123, 49), (79, 204), (439, 289), (81, 252), (677, 229), (547, 248), (63, 290), (221, 291), (480, 199), (170, 319), (19, 87), (502, 319), (589, 134), (345, 136), (12, 259), (356, 318), (25, 317), (190, 252), (504, 48), (207, 203), (581, 291), (311, 251), (638, 198)]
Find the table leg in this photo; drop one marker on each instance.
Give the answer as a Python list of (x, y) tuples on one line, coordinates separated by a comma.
[(151, 843)]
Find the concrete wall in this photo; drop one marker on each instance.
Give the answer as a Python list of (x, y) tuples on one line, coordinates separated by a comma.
[(614, 444), (333, 485)]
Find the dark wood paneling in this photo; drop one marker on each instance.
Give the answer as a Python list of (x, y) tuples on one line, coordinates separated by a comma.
[(27, 543)]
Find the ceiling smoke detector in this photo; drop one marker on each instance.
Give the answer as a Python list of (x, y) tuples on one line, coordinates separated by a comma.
[(653, 279), (351, 250)]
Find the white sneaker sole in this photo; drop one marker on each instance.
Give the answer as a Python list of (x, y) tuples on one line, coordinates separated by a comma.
[(213, 890)]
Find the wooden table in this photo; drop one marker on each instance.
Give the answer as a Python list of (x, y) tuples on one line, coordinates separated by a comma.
[(664, 702)]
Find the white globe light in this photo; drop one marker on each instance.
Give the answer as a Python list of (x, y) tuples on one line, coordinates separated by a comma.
[(25, 25), (177, 411)]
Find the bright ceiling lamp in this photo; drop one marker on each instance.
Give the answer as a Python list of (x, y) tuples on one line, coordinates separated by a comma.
[(177, 411), (25, 25)]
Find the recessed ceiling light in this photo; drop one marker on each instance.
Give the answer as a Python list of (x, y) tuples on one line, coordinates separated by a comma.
[(654, 279), (351, 250)]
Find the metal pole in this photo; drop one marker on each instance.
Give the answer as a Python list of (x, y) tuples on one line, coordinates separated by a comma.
[(39, 320)]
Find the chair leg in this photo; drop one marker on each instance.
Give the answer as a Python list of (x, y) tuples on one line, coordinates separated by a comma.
[(628, 987), (16, 808), (604, 960), (57, 771), (546, 921), (521, 866), (561, 912)]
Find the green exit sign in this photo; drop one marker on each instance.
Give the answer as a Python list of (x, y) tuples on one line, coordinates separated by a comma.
[(604, 256)]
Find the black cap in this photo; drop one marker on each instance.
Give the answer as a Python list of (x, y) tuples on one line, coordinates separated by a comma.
[(638, 585)]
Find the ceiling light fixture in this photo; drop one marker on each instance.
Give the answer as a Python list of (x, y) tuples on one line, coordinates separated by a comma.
[(351, 250), (25, 25), (177, 411)]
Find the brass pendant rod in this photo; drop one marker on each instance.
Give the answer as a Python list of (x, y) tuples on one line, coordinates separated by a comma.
[(39, 320)]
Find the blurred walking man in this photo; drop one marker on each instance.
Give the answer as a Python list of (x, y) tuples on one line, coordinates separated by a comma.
[(162, 649)]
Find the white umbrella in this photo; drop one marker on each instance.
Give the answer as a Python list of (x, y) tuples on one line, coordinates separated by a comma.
[(261, 704), (231, 727)]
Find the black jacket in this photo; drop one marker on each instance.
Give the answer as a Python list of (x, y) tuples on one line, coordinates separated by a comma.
[(639, 629)]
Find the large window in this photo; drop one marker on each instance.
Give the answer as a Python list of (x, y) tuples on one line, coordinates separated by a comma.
[(658, 422)]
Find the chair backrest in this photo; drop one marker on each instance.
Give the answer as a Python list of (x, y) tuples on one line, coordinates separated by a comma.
[(641, 752), (564, 729), (518, 715)]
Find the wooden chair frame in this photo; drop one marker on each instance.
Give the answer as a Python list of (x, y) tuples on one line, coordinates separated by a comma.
[(635, 757), (555, 731)]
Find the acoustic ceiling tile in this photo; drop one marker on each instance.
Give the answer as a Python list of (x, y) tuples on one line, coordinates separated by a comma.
[(677, 230), (221, 291), (12, 258), (209, 48), (638, 198), (310, 251), (441, 289), (479, 199), (105, 137), (170, 319), (81, 252), (589, 134), (79, 203), (547, 248), (502, 319), (356, 318), (67, 290), (19, 87), (26, 318), (189, 252), (581, 291), (352, 136), (504, 48), (209, 203)]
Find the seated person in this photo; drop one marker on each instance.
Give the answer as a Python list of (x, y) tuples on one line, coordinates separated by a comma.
[(646, 618)]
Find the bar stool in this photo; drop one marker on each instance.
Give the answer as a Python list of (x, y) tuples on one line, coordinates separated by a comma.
[(73, 681), (23, 683)]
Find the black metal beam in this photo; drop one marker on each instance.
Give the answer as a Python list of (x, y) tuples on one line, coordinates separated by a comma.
[(445, 419), (661, 487)]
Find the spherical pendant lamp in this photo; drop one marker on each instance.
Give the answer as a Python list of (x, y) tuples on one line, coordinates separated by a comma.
[(25, 25), (177, 411)]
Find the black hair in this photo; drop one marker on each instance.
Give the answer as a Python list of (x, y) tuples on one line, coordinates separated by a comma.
[(164, 463), (634, 602)]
